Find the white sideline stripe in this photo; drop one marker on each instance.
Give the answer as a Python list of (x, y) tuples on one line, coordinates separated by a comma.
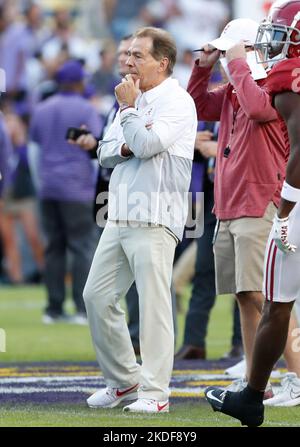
[(82, 389), (274, 375), (73, 389), (66, 385), (188, 390), (176, 379), (199, 377), (52, 379), (88, 389)]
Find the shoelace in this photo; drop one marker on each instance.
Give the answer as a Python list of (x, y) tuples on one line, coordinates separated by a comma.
[(149, 401), (111, 391), (287, 381), (238, 382)]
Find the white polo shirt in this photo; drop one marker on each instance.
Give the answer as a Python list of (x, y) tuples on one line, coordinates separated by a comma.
[(152, 185)]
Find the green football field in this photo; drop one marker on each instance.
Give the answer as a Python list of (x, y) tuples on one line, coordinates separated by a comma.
[(29, 340), (47, 372)]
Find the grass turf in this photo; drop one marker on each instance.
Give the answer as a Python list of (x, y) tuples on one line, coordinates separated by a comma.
[(29, 340), (197, 413)]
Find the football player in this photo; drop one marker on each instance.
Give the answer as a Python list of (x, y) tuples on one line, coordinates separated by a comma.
[(278, 37)]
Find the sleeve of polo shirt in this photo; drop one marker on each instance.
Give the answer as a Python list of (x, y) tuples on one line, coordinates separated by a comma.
[(143, 142), (173, 118), (109, 149)]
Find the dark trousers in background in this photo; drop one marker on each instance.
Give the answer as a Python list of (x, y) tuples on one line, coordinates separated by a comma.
[(204, 291), (132, 302), (68, 226)]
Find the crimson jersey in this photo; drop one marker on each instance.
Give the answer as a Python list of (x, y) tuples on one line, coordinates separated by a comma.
[(284, 77)]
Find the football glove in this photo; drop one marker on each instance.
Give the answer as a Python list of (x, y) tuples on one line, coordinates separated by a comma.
[(281, 233)]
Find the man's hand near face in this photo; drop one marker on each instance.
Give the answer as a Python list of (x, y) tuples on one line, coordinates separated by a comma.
[(127, 92)]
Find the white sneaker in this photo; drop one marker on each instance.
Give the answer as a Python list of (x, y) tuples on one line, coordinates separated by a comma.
[(111, 397), (237, 385), (289, 395), (148, 406), (49, 319), (79, 319), (238, 370)]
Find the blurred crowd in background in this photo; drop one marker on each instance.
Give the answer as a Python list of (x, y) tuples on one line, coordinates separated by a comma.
[(36, 38)]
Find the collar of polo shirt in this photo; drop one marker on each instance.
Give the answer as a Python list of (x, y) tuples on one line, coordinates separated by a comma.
[(159, 90)]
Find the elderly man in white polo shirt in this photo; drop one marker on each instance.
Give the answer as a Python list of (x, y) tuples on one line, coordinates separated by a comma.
[(150, 145)]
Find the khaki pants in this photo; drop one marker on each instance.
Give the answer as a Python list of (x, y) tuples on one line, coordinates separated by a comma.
[(125, 254), (239, 253)]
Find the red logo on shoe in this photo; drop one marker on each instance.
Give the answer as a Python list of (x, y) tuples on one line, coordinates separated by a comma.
[(121, 393), (161, 407)]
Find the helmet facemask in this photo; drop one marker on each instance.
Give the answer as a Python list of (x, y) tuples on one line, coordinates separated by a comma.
[(276, 41)]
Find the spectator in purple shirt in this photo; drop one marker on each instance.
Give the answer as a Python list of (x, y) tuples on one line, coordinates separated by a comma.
[(66, 189)]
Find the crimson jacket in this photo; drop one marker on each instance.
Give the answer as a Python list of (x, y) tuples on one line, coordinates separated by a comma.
[(250, 174)]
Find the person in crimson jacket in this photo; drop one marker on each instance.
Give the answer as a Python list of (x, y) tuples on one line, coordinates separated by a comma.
[(250, 169)]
